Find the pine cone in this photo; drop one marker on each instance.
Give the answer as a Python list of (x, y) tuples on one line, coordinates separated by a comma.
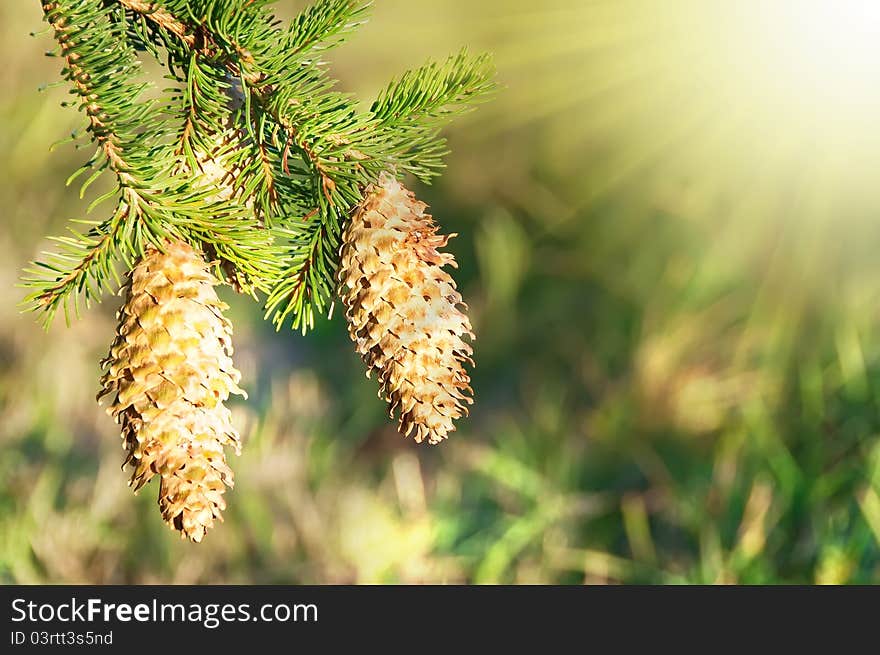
[(169, 372), (403, 310)]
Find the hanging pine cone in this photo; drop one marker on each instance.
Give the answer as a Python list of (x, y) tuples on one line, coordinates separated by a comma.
[(169, 372), (403, 310)]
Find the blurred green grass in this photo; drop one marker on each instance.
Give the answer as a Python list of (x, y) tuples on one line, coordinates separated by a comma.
[(678, 360)]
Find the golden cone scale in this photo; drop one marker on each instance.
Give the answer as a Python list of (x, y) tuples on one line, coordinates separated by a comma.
[(404, 311), (169, 373)]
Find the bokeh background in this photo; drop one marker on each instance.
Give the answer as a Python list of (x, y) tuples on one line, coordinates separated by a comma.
[(669, 220)]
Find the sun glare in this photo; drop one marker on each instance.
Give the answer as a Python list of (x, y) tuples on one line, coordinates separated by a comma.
[(835, 44), (815, 53), (747, 112)]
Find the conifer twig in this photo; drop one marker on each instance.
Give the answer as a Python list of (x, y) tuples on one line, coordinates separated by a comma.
[(299, 154)]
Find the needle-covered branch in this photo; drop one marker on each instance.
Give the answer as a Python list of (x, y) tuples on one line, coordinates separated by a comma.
[(252, 99)]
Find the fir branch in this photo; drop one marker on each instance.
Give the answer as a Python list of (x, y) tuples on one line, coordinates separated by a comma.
[(295, 92), (302, 291), (154, 203), (436, 91), (412, 110), (326, 18), (322, 25), (85, 263), (83, 40), (80, 269), (267, 67), (297, 154)]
